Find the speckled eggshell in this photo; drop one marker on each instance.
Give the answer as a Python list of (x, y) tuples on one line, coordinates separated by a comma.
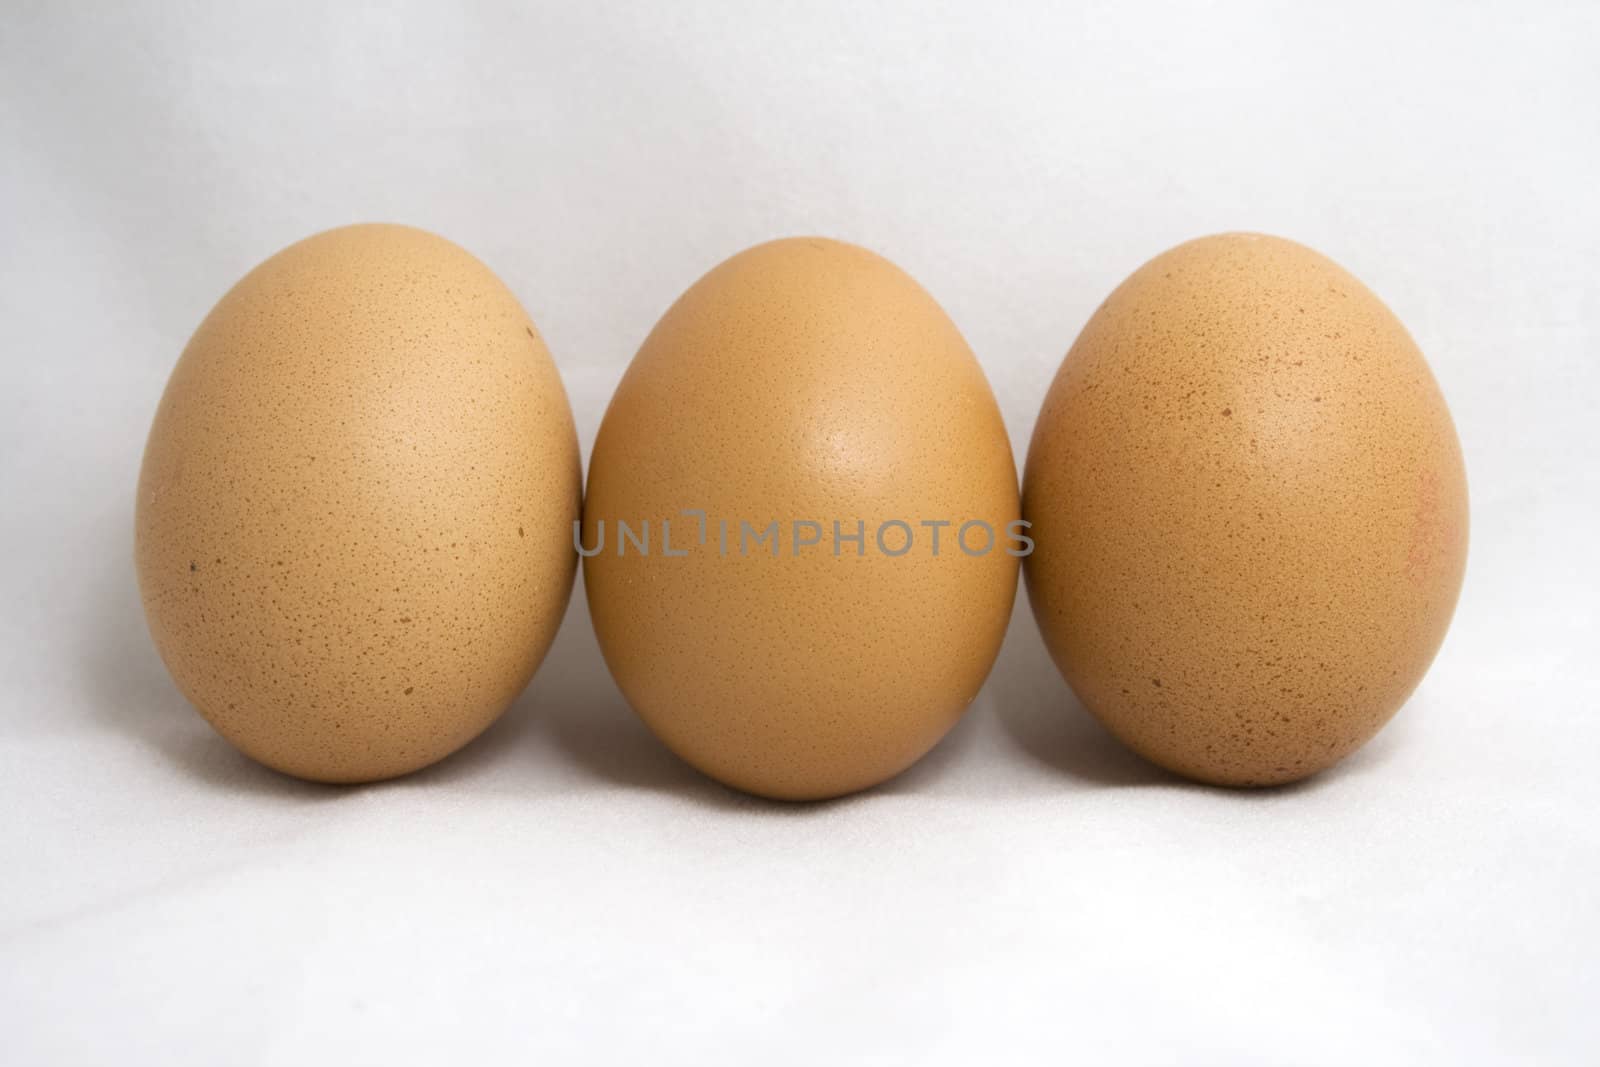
[(803, 379), (354, 520), (1250, 512)]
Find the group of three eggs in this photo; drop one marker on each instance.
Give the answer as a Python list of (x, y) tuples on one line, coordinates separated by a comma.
[(1242, 518)]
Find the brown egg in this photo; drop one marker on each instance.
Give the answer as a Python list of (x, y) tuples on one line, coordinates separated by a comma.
[(1249, 509), (354, 530), (802, 383)]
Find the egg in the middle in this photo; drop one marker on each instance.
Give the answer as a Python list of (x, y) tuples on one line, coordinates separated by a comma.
[(801, 532)]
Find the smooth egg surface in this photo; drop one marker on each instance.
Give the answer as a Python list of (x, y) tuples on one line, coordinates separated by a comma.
[(1249, 509), (803, 381), (354, 515)]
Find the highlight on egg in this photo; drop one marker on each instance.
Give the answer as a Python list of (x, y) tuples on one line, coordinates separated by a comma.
[(1249, 509), (353, 517), (801, 531)]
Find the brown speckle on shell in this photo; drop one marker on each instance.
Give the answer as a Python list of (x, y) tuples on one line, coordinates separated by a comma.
[(356, 404), (1303, 552)]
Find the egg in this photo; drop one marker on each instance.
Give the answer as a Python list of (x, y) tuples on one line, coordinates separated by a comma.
[(354, 517), (800, 525), (1249, 512)]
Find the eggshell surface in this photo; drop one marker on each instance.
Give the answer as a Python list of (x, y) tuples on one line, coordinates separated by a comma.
[(354, 516), (1249, 509), (804, 380)]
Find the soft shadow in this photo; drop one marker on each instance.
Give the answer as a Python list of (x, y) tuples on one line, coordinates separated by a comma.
[(572, 730), (132, 693), (577, 713), (1047, 722), (569, 730), (579, 718)]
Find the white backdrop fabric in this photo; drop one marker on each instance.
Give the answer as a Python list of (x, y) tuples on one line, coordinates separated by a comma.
[(564, 890)]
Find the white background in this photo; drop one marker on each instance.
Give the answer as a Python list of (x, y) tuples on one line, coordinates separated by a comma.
[(1029, 892)]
